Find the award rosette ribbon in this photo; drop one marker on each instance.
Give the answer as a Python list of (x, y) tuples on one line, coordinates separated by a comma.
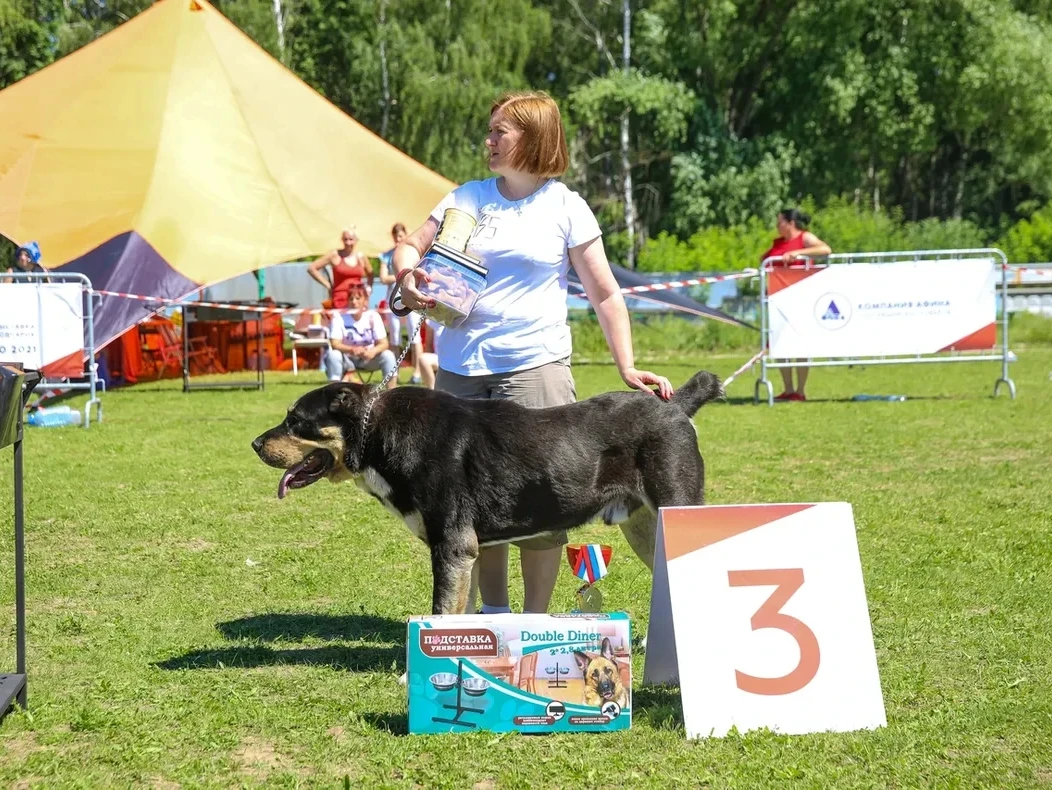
[(591, 562)]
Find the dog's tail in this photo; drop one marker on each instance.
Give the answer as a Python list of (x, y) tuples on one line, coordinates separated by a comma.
[(699, 390)]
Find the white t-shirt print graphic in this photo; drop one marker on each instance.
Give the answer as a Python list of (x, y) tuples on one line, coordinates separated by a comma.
[(519, 320), (486, 229)]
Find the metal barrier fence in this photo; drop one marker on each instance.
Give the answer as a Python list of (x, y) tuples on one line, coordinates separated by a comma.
[(910, 256), (91, 383)]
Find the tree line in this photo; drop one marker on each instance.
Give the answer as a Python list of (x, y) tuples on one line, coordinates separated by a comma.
[(690, 122)]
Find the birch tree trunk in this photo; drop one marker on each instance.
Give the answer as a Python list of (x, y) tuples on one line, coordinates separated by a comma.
[(279, 23), (385, 82), (626, 165)]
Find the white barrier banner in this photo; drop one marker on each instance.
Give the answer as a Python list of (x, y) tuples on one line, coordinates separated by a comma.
[(883, 309), (42, 326)]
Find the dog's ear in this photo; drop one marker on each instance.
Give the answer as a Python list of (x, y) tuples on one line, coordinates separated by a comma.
[(607, 650), (582, 660), (346, 402)]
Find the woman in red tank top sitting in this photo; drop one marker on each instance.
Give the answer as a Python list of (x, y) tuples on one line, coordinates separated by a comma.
[(793, 242), (350, 269)]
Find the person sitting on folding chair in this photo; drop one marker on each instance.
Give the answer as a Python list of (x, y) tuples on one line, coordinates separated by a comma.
[(358, 341)]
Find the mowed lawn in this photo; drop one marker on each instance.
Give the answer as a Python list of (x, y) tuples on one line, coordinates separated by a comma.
[(187, 628)]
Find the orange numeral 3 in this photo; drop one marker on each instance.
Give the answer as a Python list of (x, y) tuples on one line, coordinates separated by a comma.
[(787, 582)]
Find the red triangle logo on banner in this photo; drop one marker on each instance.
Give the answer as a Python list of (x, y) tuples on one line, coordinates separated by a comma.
[(980, 339)]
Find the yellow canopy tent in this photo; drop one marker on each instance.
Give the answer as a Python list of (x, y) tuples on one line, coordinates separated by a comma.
[(174, 153)]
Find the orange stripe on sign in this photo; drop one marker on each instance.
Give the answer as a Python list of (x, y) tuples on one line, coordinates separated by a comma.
[(779, 279), (985, 338), (690, 529)]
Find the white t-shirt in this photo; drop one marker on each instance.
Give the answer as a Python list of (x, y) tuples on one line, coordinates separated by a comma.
[(365, 331), (519, 320)]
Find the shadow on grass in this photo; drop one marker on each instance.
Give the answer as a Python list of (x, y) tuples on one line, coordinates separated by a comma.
[(394, 723), (748, 400), (350, 659), (295, 626), (659, 706)]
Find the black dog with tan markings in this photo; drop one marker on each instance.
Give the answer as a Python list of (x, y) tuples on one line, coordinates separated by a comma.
[(464, 474)]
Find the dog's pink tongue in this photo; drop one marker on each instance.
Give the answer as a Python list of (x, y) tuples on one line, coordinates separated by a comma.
[(283, 484)]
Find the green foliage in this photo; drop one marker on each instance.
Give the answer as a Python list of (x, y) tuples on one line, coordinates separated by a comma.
[(660, 108), (726, 180), (662, 337), (25, 44), (906, 125), (1030, 240), (844, 226), (713, 249), (445, 66), (188, 628), (1027, 329), (849, 228), (256, 18)]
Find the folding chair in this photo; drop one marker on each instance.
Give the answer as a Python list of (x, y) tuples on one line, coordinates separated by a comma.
[(163, 348), (307, 334)]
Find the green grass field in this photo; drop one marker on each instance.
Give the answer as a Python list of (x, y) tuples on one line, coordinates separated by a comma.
[(187, 628)]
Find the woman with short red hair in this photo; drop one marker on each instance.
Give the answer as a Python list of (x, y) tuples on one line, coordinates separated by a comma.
[(515, 343)]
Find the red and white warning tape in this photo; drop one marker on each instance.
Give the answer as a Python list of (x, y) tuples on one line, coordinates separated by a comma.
[(225, 305), (743, 368), (636, 289)]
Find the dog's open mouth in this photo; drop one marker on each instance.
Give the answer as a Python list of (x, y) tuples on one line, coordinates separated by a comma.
[(310, 470)]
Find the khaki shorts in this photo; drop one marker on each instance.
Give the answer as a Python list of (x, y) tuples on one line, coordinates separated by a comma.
[(537, 388)]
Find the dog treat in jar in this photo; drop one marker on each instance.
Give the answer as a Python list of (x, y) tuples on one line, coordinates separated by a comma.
[(456, 280)]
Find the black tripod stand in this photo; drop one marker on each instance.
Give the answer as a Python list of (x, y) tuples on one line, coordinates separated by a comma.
[(460, 709), (15, 387), (558, 683)]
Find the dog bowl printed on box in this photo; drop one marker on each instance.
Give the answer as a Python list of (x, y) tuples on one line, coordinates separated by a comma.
[(476, 687), (444, 681), (531, 673)]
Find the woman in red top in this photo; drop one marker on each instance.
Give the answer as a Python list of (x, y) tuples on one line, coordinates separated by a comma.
[(350, 269), (792, 242)]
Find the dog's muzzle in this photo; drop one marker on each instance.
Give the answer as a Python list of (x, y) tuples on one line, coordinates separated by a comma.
[(310, 470)]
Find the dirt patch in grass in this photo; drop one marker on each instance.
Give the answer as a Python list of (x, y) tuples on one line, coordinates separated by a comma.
[(259, 758), (21, 746), (160, 783)]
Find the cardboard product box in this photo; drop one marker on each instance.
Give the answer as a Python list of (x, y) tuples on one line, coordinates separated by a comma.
[(531, 673)]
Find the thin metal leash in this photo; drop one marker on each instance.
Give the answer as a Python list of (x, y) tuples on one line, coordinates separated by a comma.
[(381, 388)]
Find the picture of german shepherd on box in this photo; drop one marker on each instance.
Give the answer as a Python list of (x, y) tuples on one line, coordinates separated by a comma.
[(603, 681)]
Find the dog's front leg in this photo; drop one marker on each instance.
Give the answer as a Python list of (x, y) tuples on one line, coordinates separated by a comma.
[(451, 567)]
